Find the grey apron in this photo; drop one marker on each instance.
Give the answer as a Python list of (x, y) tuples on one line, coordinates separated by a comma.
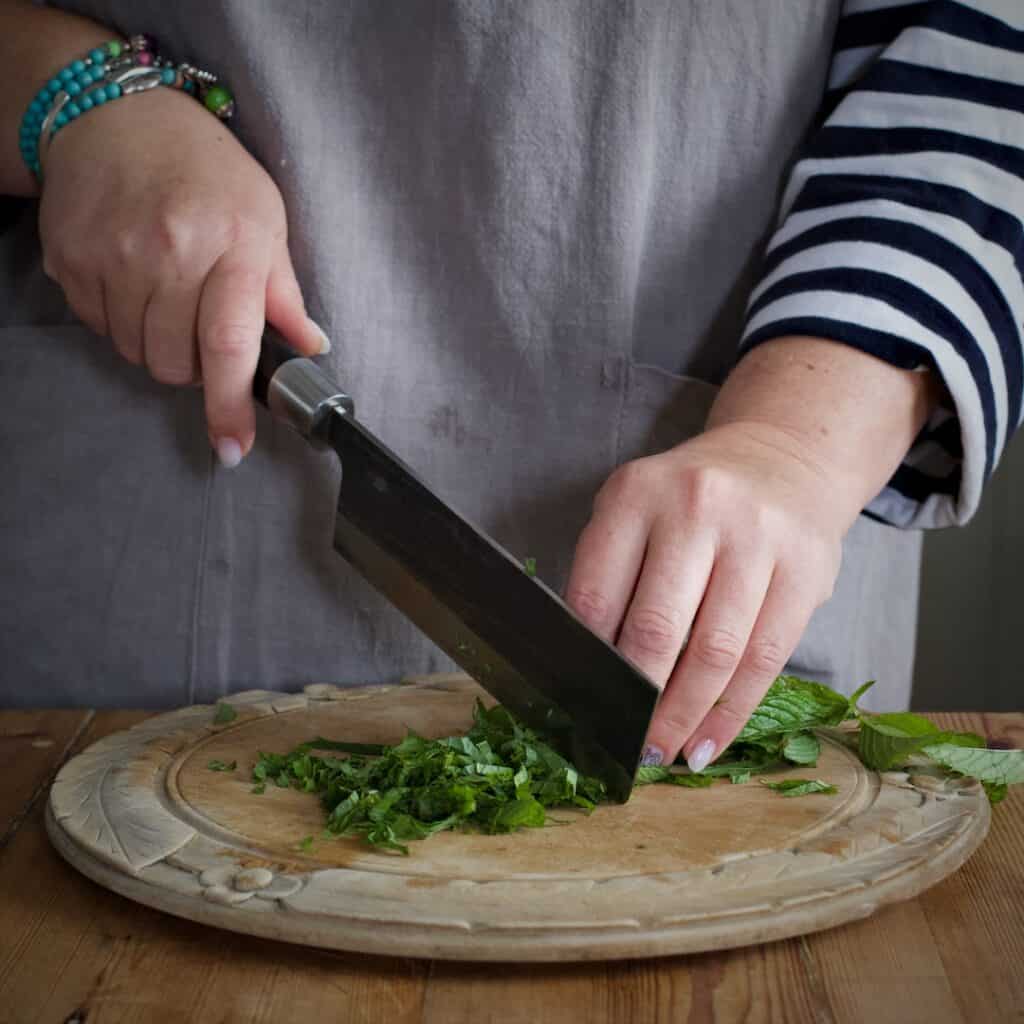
[(529, 228)]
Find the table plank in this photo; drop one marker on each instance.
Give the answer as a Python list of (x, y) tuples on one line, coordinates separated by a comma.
[(761, 983), (945, 955), (33, 744)]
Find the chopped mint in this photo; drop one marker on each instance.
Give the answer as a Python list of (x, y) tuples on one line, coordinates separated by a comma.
[(225, 713), (800, 787)]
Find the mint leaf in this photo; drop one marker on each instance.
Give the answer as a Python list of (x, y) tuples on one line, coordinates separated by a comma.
[(999, 767), (792, 705), (737, 778), (306, 844), (225, 713), (802, 748), (693, 780), (996, 791), (222, 766), (889, 739), (800, 787), (648, 773), (530, 565)]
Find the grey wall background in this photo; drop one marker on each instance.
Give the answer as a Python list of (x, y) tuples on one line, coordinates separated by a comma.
[(971, 626)]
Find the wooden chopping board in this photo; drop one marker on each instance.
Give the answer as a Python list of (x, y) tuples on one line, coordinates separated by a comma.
[(675, 870)]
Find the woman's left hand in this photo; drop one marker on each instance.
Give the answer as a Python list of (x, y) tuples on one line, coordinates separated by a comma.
[(726, 543), (703, 564)]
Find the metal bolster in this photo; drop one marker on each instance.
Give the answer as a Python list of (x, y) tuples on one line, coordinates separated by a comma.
[(302, 395)]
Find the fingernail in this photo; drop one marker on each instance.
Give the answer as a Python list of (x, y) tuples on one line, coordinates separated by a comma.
[(652, 756), (229, 451), (325, 342), (701, 756)]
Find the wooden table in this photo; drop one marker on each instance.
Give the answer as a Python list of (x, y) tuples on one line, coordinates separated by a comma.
[(73, 952)]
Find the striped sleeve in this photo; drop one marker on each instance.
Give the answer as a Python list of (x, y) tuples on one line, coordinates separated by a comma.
[(902, 231)]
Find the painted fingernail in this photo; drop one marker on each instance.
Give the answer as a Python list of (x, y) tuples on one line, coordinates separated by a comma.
[(701, 756), (652, 756), (229, 451), (325, 342)]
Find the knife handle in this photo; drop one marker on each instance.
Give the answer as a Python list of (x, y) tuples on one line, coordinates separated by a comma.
[(295, 390)]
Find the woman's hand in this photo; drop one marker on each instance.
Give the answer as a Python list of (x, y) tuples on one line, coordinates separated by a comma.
[(168, 237), (728, 543), (730, 538)]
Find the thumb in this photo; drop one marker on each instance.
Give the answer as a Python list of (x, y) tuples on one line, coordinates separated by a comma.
[(286, 309)]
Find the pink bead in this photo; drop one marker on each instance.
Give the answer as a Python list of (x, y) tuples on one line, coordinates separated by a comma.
[(144, 59)]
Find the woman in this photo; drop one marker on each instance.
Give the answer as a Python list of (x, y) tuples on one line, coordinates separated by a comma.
[(530, 232)]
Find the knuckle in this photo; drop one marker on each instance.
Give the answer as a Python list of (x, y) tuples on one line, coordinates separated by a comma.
[(124, 246), (174, 229), (590, 604), (625, 485), (765, 656), (679, 726), (653, 631), (767, 521), (229, 338), (733, 713), (717, 649), (706, 487), (174, 374)]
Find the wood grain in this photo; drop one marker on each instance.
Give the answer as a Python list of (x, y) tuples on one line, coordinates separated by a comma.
[(33, 744), (759, 984)]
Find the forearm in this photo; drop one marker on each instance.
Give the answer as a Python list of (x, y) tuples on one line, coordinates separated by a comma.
[(852, 415), (34, 43)]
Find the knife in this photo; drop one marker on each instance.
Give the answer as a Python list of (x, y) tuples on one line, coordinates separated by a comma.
[(509, 631)]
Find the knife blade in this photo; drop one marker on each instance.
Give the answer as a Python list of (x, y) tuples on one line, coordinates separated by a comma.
[(502, 625)]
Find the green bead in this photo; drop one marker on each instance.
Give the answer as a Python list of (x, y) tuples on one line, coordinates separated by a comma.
[(218, 99), (114, 48)]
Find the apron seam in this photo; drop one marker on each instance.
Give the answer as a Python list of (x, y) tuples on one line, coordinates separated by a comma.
[(627, 380), (197, 591)]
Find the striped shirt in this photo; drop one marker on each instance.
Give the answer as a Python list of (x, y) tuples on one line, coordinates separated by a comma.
[(902, 231)]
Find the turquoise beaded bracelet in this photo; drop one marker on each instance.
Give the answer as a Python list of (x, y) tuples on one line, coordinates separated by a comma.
[(118, 68)]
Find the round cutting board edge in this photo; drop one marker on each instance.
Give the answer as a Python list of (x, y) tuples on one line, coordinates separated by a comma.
[(920, 830), (425, 942)]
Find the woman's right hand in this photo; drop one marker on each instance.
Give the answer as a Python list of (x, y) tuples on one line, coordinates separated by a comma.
[(168, 237)]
